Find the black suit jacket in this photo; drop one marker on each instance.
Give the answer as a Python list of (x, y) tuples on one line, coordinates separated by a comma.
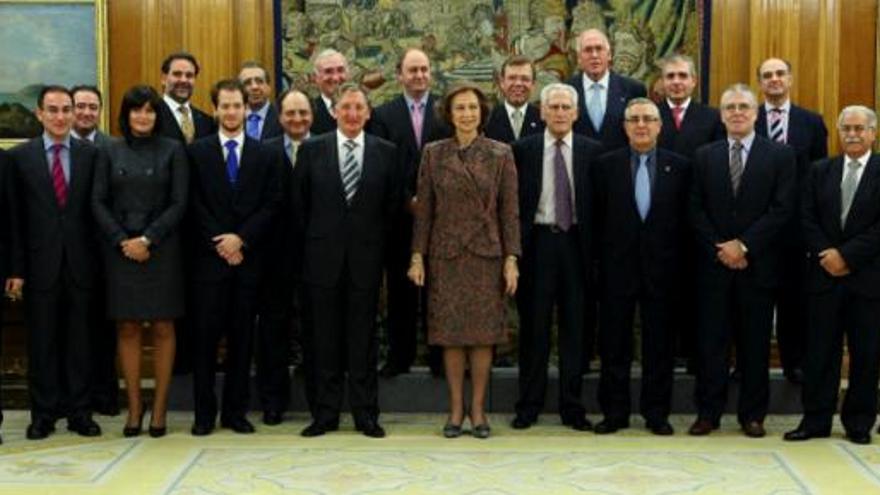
[(7, 212), (621, 89), (284, 248), (47, 238), (756, 216), (392, 122), (806, 134), (168, 126), (322, 120), (858, 241), (499, 128), (529, 156), (701, 125), (247, 210), (338, 234), (634, 254), (271, 126)]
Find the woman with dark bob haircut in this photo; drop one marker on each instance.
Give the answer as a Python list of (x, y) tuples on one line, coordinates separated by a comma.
[(465, 247), (139, 198)]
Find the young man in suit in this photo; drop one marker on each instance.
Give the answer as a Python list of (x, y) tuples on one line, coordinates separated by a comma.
[(514, 117), (345, 193), (178, 118), (741, 198), (87, 105), (409, 122), (641, 195), (556, 211), (234, 197), (261, 119), (55, 252), (281, 279), (331, 70), (841, 225), (782, 121)]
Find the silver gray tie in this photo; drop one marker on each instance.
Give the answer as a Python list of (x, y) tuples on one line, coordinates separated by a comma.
[(848, 189), (736, 166)]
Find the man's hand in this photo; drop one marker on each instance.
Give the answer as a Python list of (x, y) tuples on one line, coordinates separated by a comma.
[(732, 255), (833, 263), (227, 245), (135, 249), (14, 288)]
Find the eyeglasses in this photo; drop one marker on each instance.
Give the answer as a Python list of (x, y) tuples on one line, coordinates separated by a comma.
[(645, 119), (737, 107)]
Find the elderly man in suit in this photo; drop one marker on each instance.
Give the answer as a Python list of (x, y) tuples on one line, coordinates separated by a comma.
[(261, 118), (178, 118), (514, 117), (556, 212), (641, 196), (87, 105), (345, 193), (234, 197), (741, 198), (784, 122), (841, 225), (331, 70), (409, 121), (55, 253)]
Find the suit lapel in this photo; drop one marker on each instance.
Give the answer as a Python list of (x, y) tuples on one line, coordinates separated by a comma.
[(333, 175), (366, 168), (216, 152), (75, 185), (41, 172), (614, 104), (752, 166), (722, 171), (869, 176), (761, 122), (531, 121)]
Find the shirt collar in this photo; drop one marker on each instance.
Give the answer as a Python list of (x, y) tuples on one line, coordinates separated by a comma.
[(862, 159), (684, 105), (261, 112), (88, 137), (650, 154), (288, 139), (746, 141), (48, 142), (174, 104), (410, 100), (327, 102), (359, 139), (603, 81), (550, 139), (238, 138), (786, 107), (510, 108)]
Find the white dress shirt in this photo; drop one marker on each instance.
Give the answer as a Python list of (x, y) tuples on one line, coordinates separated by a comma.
[(546, 212)]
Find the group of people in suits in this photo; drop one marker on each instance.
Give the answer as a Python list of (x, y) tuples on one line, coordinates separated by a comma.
[(593, 204)]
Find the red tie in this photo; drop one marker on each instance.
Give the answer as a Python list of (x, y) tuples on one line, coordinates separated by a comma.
[(677, 110), (58, 181)]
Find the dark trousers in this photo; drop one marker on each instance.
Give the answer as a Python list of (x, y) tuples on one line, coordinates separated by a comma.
[(224, 308), (552, 277), (343, 324), (832, 315), (791, 311), (59, 349), (743, 311), (274, 326), (615, 352)]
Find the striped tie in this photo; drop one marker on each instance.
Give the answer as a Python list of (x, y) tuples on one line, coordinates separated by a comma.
[(736, 166), (777, 133), (351, 171)]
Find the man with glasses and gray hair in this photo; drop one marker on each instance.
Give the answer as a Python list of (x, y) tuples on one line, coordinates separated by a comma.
[(742, 196), (840, 218)]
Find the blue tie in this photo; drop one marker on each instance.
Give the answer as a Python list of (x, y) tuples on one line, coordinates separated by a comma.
[(253, 126), (643, 187), (594, 106), (231, 161)]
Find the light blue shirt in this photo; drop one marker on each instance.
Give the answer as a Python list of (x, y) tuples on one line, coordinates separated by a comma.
[(48, 143), (747, 146), (262, 112)]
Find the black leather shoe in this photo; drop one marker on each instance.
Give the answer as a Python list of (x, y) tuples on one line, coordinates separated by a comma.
[(754, 429), (608, 425), (39, 430), (84, 427), (795, 376), (272, 418), (202, 429), (578, 423), (391, 370), (800, 434), (370, 428), (859, 437), (316, 429), (702, 427), (238, 425), (522, 422), (661, 428)]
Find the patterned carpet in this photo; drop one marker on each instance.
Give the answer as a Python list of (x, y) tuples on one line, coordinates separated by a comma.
[(414, 459)]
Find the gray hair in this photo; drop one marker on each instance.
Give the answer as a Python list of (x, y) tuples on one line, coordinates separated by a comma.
[(554, 87), (325, 54), (866, 112), (740, 89), (678, 58), (593, 30), (641, 101)]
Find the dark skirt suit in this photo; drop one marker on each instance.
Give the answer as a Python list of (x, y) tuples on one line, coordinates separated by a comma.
[(141, 189), (467, 221)]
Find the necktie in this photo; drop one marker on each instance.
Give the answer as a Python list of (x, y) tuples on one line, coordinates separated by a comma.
[(231, 161), (848, 189), (186, 124), (562, 190), (643, 187), (351, 171), (777, 133), (677, 111), (253, 126), (417, 120), (594, 108), (291, 152), (736, 166), (59, 183), (517, 121)]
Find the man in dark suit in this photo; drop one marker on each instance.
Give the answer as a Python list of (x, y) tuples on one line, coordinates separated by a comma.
[(841, 225), (235, 194), (409, 122), (803, 130), (87, 105), (261, 120), (331, 70), (741, 198), (55, 253), (514, 117), (345, 192), (641, 196), (556, 210), (281, 278), (8, 209), (178, 118)]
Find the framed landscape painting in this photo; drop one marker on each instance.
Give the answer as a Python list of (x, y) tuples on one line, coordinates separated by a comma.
[(47, 42)]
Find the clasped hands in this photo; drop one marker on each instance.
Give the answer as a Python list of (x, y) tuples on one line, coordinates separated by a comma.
[(832, 261), (732, 255), (416, 272), (135, 249), (228, 247)]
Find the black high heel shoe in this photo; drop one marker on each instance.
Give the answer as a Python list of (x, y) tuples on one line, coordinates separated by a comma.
[(158, 431), (452, 430), (482, 430), (133, 431)]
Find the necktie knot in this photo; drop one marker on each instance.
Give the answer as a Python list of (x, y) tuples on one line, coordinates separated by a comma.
[(854, 165), (350, 145), (737, 146), (56, 148), (231, 145), (777, 110), (254, 117), (183, 109)]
